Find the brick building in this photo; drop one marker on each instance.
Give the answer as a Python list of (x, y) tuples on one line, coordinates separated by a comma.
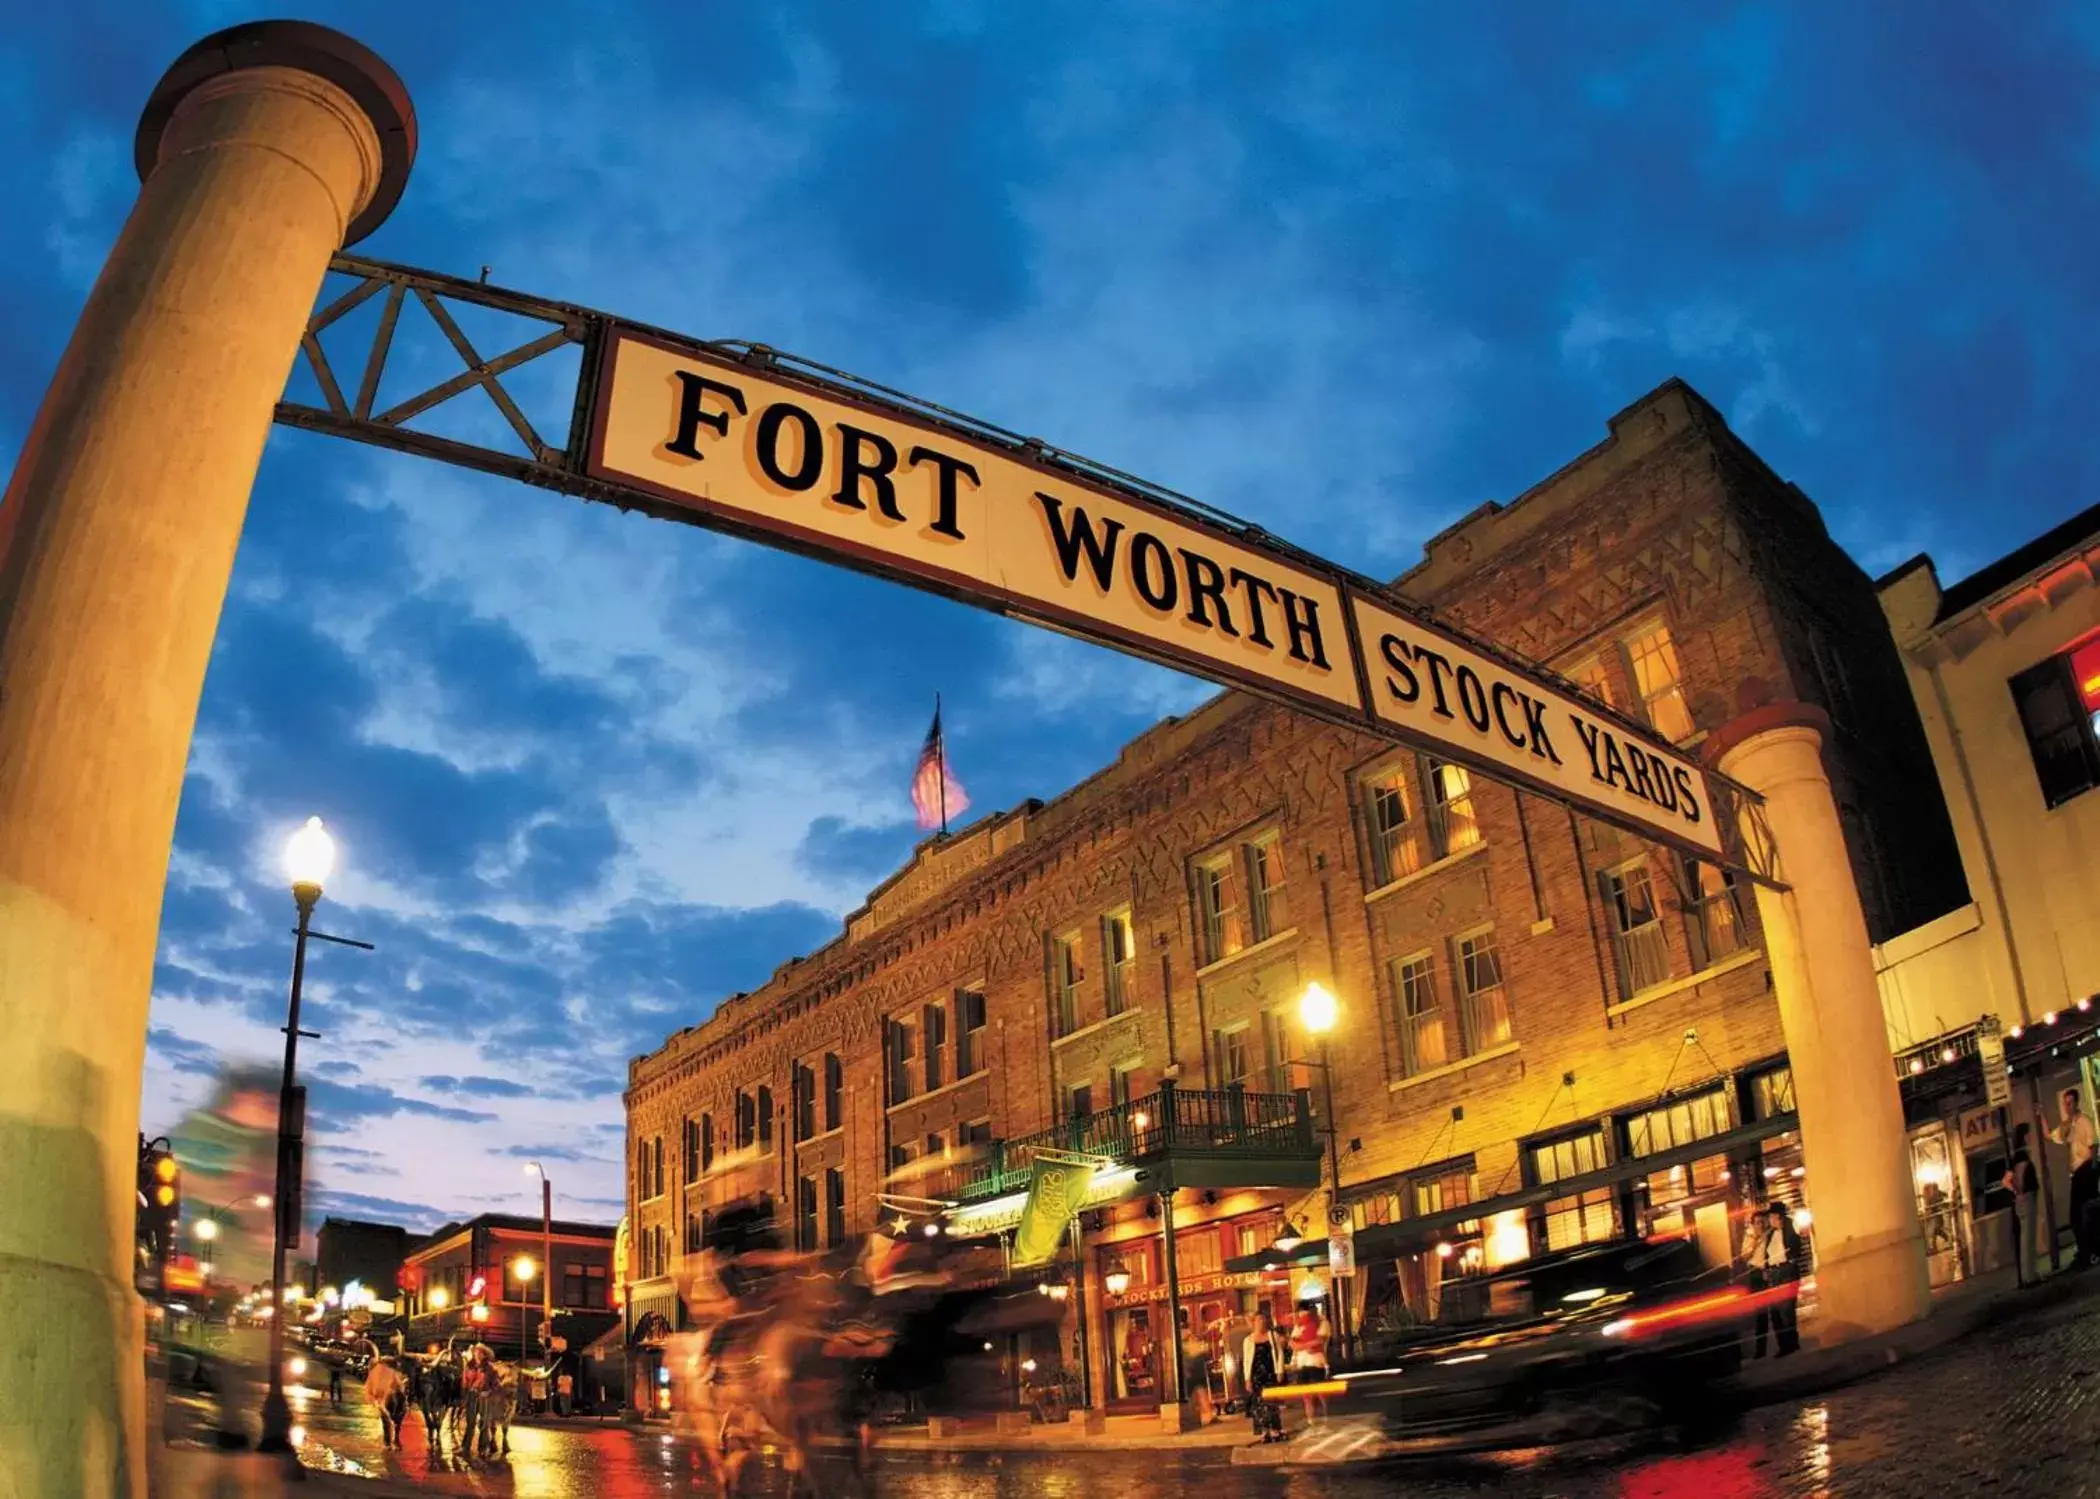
[(1549, 1031), (464, 1281)]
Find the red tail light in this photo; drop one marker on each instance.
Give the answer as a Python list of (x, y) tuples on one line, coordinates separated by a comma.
[(1724, 1305)]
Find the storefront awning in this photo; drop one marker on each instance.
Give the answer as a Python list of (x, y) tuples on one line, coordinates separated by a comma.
[(1391, 1240), (1310, 1255)]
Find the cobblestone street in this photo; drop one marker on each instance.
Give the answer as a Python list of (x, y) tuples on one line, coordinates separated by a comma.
[(2011, 1410)]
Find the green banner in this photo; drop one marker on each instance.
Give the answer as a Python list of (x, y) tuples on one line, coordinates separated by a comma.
[(1055, 1190)]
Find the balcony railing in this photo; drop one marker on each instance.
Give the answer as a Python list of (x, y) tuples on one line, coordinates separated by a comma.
[(1221, 1122)]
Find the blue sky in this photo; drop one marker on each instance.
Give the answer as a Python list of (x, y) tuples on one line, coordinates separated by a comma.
[(1347, 274)]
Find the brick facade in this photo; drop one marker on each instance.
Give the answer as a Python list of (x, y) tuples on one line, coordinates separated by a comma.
[(1671, 520)]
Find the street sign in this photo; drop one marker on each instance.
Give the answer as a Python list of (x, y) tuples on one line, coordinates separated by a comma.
[(1990, 1051), (791, 458)]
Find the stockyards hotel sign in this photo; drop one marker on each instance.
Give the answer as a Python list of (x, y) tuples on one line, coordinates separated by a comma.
[(786, 457)]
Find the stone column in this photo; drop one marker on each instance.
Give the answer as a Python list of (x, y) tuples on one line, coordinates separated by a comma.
[(263, 150), (1870, 1255)]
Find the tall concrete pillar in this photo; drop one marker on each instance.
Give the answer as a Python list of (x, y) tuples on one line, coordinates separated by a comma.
[(262, 151), (1870, 1255)]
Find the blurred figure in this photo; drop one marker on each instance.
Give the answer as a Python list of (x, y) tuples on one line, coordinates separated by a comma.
[(1195, 1370), (1774, 1248), (335, 1383), (2074, 1131), (1309, 1352), (2030, 1241)]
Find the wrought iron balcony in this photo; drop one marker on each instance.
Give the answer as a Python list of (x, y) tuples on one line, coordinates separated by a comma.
[(1222, 1137)]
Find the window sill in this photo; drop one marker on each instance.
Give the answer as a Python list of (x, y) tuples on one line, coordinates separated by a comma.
[(1650, 995), (830, 1134), (1493, 1053), (942, 1090), (1209, 970), (1449, 861), (1096, 1027)]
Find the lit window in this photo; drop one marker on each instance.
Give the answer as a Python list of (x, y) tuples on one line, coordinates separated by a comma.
[(1217, 893), (1265, 903), (1483, 1002), (1394, 852), (1658, 683), (1424, 1039), (1118, 958), (1638, 941), (1594, 678), (2059, 706), (1068, 973), (1452, 825)]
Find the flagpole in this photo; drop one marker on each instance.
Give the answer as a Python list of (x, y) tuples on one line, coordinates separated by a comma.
[(940, 760)]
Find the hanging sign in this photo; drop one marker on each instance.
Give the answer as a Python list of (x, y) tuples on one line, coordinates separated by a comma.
[(1990, 1052), (801, 462)]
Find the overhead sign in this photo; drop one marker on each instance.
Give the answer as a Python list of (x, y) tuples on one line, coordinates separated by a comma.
[(1979, 1128), (1430, 685), (1990, 1052), (845, 479), (785, 457)]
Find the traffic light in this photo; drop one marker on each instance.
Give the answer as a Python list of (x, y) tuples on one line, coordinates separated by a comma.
[(160, 1197)]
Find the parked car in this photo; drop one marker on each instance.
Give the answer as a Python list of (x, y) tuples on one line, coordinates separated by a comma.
[(1581, 1342)]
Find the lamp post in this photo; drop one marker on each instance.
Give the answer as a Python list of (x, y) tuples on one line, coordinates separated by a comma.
[(309, 859), (534, 1168), (1318, 1012), (523, 1269)]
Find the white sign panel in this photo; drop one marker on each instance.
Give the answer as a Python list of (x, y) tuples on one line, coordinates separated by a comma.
[(906, 496), (1430, 686), (1990, 1052)]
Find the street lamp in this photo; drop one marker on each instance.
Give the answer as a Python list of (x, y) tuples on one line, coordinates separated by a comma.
[(206, 1228), (439, 1298), (1117, 1280), (1319, 1012), (309, 858), (534, 1168)]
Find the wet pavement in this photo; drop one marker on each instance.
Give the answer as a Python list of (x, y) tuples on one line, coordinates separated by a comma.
[(2014, 1410)]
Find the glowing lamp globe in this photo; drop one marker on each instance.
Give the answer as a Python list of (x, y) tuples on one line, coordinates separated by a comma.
[(1318, 1010), (309, 857)]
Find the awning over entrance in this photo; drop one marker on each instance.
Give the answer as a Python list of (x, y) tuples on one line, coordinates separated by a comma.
[(1310, 1255), (1391, 1240)]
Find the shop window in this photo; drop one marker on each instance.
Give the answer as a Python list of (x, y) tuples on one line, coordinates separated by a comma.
[(1640, 948), (1425, 1039), (1460, 1248), (1067, 973), (1772, 1093), (834, 1207), (1377, 1208), (1583, 1218), (933, 1025), (1395, 853), (1713, 917), (2057, 700), (834, 1091), (1667, 1126), (1452, 824), (1483, 1002), (969, 1032), (1118, 960), (1198, 1253)]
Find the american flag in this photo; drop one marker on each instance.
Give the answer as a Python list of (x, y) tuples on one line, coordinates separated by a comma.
[(934, 790)]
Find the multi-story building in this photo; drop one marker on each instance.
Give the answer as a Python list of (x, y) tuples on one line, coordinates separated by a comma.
[(349, 1252), (1549, 1031), (485, 1278)]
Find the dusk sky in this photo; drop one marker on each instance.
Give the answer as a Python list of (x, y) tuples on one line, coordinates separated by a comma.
[(1348, 275)]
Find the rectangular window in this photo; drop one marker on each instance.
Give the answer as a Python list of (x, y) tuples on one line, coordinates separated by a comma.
[(933, 1025), (691, 1141), (583, 1286), (1651, 659), (1394, 851), (976, 1132), (1079, 1101), (1713, 923), (899, 1158), (1218, 903), (1425, 1040), (1442, 1192), (1199, 1252), (804, 1089), (1268, 912), (936, 1147), (1231, 1048), (1638, 940), (695, 1232), (1772, 1093), (1483, 1002), (1582, 1218), (834, 1092), (1452, 825), (1667, 1126), (834, 1207), (746, 1121), (1594, 678), (969, 1032), (657, 1156), (805, 1213), (2056, 701), (1067, 972), (1118, 960), (707, 1143), (901, 1050), (1119, 1077), (1276, 1054), (765, 1117)]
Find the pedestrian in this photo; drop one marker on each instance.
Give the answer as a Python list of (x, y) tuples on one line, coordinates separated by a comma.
[(1195, 1370), (2074, 1131), (1263, 1358), (564, 1392), (1774, 1250), (1309, 1353), (2030, 1241), (335, 1383)]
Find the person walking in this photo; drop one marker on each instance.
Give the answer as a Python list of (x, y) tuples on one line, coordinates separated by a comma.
[(2074, 1131), (335, 1383), (1309, 1331), (2030, 1242), (1774, 1250), (1263, 1358)]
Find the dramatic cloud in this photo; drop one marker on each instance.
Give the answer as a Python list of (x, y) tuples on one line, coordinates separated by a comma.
[(1347, 273)]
